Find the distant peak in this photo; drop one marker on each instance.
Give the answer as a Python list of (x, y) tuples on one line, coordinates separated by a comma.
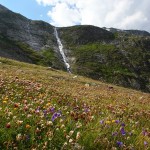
[(3, 7)]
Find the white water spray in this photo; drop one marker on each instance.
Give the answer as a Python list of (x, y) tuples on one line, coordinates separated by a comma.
[(61, 50), (28, 29)]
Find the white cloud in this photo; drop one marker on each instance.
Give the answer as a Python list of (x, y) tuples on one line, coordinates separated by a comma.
[(125, 14), (63, 15)]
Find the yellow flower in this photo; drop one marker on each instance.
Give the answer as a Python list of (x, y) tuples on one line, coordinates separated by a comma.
[(113, 121), (5, 102), (6, 98), (27, 126), (108, 122), (48, 104)]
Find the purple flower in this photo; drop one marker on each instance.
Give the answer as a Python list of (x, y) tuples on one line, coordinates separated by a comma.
[(145, 143), (56, 115), (86, 110), (101, 121), (122, 131), (52, 109), (27, 137), (120, 144), (145, 133), (114, 133), (123, 124), (117, 121), (37, 110)]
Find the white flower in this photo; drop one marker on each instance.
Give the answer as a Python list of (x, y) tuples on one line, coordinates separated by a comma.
[(18, 137), (62, 126), (71, 132), (78, 135), (61, 121), (49, 123), (70, 140)]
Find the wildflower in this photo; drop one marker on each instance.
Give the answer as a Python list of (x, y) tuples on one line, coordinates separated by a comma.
[(70, 140), (27, 126), (114, 133), (4, 102), (55, 116), (145, 133), (37, 111), (52, 109), (102, 122), (14, 117), (49, 123), (145, 143), (113, 121), (120, 144), (25, 108), (19, 137), (78, 125), (122, 131), (78, 135), (71, 132), (27, 137), (57, 129), (61, 121), (92, 117), (48, 104), (8, 125), (123, 125), (19, 122), (62, 126), (37, 130), (108, 122), (65, 144), (117, 121), (9, 114), (16, 105), (29, 115), (67, 136)]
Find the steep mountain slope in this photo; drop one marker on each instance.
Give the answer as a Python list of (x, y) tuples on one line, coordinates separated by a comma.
[(116, 56), (27, 40)]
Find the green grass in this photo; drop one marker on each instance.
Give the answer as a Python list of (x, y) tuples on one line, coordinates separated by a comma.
[(119, 62), (91, 114)]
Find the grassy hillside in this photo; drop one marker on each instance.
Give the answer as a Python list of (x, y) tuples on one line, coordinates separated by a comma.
[(43, 108)]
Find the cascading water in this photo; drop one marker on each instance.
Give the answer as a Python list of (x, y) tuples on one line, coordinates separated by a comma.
[(28, 29), (61, 50)]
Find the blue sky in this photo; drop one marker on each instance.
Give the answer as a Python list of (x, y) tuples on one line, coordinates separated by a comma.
[(28, 8)]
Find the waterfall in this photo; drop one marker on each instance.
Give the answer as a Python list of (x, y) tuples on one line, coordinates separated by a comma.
[(28, 29), (60, 46)]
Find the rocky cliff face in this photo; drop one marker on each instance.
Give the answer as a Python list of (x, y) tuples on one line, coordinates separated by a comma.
[(37, 34), (27, 40), (116, 56)]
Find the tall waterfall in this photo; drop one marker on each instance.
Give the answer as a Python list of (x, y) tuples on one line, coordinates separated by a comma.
[(61, 50)]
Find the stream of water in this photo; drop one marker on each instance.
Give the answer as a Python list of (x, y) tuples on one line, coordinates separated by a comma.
[(60, 46)]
